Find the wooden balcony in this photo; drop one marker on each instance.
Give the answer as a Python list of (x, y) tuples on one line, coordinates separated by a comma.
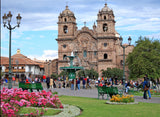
[(16, 71)]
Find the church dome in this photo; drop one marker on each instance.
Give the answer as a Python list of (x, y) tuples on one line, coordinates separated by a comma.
[(67, 11), (106, 8)]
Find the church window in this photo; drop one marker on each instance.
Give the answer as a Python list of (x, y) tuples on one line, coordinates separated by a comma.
[(105, 27), (65, 29), (121, 62), (110, 17), (76, 53), (84, 53), (95, 53), (65, 19), (105, 44), (104, 17), (64, 46), (64, 57), (105, 56)]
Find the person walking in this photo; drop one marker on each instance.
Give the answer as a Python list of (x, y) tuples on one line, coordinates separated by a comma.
[(148, 86), (51, 83), (128, 85), (13, 79), (145, 89), (48, 82), (29, 78), (78, 84), (84, 82), (72, 84), (88, 83)]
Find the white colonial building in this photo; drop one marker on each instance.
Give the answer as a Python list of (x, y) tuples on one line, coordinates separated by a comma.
[(22, 66)]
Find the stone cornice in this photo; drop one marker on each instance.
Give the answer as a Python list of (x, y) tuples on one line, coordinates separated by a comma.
[(108, 37), (105, 60), (66, 23), (63, 61), (65, 39), (106, 20)]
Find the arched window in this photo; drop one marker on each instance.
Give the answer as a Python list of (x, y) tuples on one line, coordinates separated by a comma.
[(75, 53), (64, 57), (105, 27), (84, 53), (105, 44), (95, 53), (121, 62), (110, 17), (104, 17), (105, 56), (65, 29), (65, 19), (64, 46)]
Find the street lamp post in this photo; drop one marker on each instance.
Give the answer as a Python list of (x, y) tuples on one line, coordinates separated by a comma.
[(124, 47), (7, 18), (49, 67), (17, 62)]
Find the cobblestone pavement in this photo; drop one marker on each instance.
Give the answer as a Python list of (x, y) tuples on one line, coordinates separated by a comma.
[(93, 93)]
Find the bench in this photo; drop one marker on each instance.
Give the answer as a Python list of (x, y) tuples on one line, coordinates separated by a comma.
[(107, 90), (26, 86)]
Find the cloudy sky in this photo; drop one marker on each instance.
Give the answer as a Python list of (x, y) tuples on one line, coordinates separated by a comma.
[(38, 29)]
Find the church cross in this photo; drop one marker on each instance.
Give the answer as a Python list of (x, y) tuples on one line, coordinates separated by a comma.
[(85, 24)]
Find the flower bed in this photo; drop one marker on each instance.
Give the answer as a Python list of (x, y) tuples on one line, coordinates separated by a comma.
[(123, 99), (13, 99), (154, 92)]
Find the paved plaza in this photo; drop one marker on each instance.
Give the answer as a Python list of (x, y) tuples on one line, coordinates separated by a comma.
[(93, 93)]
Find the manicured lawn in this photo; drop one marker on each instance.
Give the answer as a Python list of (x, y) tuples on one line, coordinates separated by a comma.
[(49, 112), (97, 108)]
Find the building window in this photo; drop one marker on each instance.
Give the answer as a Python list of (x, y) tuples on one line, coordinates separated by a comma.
[(105, 56), (76, 53), (65, 29), (121, 62), (65, 19), (110, 17), (84, 53), (64, 46), (95, 53), (64, 57), (104, 17), (105, 27), (105, 44)]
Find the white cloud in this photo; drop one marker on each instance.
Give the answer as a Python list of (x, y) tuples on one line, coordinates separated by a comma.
[(154, 36), (47, 55), (41, 36), (28, 38), (46, 28)]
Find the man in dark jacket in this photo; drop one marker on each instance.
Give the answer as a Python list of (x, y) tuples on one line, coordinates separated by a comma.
[(144, 88), (48, 81)]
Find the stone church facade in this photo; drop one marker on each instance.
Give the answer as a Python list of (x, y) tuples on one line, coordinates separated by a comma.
[(97, 48)]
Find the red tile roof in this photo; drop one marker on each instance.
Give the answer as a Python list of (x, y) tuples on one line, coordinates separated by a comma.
[(22, 60)]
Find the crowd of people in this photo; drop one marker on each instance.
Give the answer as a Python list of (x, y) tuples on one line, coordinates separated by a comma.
[(84, 83)]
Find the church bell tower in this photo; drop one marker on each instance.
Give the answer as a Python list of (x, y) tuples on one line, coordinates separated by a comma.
[(66, 24)]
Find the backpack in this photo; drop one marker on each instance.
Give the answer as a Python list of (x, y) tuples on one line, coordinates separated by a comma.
[(147, 84)]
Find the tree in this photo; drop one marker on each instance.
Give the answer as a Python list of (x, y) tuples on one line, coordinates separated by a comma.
[(90, 73), (145, 59), (55, 76), (112, 73), (63, 73)]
